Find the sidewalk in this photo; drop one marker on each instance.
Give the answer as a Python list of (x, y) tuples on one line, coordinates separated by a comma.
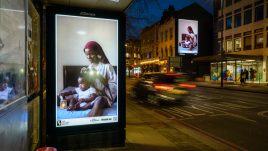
[(248, 86), (150, 130)]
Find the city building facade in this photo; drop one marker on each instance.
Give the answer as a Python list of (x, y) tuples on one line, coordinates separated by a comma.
[(242, 36), (160, 42), (133, 57)]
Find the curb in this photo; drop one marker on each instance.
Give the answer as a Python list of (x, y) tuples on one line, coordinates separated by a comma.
[(243, 89)]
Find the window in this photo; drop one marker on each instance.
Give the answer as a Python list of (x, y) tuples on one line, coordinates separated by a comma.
[(228, 3), (229, 22), (259, 41), (267, 10), (229, 45), (171, 33), (247, 40), (235, 1), (161, 36), (247, 16), (259, 13), (162, 53), (127, 55), (237, 44), (267, 39), (166, 51), (219, 46), (237, 22), (166, 35), (171, 51), (220, 25), (135, 55)]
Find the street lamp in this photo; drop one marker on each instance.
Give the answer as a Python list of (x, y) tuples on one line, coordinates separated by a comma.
[(221, 49)]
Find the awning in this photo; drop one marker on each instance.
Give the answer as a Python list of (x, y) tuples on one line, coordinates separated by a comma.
[(226, 57)]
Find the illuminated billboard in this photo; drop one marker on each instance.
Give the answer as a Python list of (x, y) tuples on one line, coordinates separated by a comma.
[(187, 36), (86, 68)]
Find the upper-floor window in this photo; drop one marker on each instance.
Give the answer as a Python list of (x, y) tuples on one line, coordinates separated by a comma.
[(247, 40), (229, 44), (235, 1), (135, 55), (247, 16), (259, 13), (166, 52), (237, 20), (267, 39), (228, 3), (219, 46), (237, 42), (171, 51), (171, 33), (229, 22), (162, 55), (220, 24), (166, 35), (267, 10), (127, 55), (258, 38)]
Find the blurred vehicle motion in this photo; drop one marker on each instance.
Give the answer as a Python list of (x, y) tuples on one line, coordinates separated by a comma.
[(160, 88)]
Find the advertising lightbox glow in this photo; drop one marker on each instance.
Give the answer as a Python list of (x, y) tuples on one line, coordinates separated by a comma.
[(187, 36), (91, 45)]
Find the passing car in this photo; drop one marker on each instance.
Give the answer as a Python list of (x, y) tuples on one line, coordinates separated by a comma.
[(159, 88)]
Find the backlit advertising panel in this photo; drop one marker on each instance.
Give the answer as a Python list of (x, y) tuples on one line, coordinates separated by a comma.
[(187, 36), (86, 64)]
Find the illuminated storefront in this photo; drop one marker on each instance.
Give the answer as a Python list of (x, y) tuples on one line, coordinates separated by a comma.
[(232, 68)]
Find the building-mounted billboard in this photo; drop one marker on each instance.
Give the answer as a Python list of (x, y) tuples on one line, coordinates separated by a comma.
[(187, 36)]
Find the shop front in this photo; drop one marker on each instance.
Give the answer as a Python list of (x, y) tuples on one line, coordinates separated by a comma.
[(234, 65), (233, 69)]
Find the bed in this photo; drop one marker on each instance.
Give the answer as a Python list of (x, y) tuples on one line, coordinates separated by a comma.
[(70, 74)]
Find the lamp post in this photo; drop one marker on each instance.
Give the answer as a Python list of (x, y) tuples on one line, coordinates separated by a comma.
[(221, 48)]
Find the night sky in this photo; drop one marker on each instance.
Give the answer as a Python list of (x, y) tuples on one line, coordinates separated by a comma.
[(144, 13)]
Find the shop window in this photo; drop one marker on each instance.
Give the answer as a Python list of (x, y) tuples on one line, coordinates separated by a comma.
[(237, 44), (228, 3), (247, 16), (229, 22), (259, 40), (229, 45), (259, 10)]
